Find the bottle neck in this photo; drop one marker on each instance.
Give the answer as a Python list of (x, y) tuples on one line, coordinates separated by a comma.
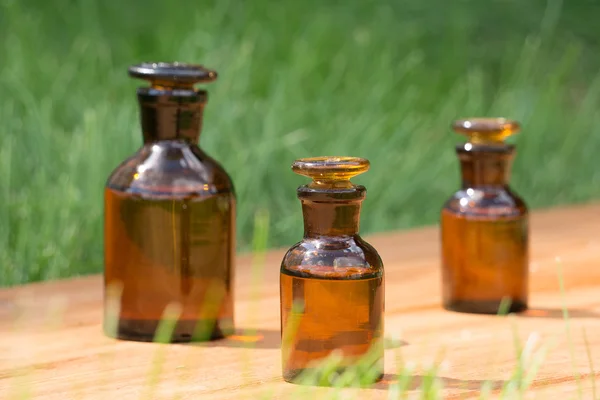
[(331, 213), (171, 114), (485, 166)]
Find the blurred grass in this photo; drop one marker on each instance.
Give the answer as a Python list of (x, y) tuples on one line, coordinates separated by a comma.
[(381, 80)]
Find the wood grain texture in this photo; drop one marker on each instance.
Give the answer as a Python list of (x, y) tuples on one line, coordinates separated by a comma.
[(51, 344)]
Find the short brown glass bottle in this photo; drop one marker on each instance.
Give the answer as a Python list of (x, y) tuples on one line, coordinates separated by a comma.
[(333, 275), (170, 217), (484, 226)]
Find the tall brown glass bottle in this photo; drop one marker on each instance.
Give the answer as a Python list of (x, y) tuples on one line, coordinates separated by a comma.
[(484, 226), (170, 217), (333, 276)]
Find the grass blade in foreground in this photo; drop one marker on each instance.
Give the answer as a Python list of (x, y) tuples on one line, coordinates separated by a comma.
[(163, 336)]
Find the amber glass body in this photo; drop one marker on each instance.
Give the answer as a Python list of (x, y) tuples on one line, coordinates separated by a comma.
[(170, 226), (484, 235), (337, 280)]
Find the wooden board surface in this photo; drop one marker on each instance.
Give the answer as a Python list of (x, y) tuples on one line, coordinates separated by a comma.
[(52, 347)]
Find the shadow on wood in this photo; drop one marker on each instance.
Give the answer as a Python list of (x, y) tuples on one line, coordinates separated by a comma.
[(416, 382), (249, 338), (264, 339), (558, 313)]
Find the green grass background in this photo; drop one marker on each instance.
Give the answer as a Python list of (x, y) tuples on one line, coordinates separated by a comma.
[(381, 80)]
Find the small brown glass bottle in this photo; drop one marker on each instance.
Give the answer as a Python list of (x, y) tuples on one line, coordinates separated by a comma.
[(169, 227), (335, 277), (484, 226)]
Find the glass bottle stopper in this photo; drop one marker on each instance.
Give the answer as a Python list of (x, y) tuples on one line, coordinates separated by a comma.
[(172, 75), (330, 172), (486, 131)]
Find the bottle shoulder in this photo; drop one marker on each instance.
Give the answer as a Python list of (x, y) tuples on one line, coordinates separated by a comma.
[(347, 257), (486, 201), (167, 167)]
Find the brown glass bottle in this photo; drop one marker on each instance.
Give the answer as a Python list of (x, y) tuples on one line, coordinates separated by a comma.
[(169, 227), (333, 275), (484, 226)]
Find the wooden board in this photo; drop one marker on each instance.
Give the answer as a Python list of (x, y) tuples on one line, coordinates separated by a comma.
[(52, 347)]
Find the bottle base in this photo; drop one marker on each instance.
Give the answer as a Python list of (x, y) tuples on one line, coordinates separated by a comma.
[(483, 306), (297, 376), (183, 332)]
